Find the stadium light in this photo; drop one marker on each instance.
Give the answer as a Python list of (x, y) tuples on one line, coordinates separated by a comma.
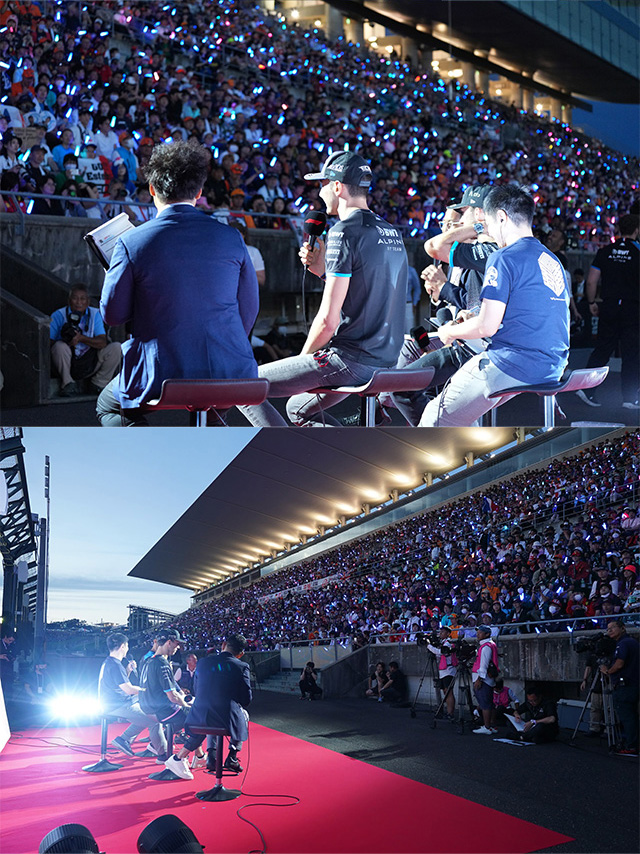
[(73, 706)]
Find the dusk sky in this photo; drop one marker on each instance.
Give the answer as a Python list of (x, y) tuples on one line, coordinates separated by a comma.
[(114, 493)]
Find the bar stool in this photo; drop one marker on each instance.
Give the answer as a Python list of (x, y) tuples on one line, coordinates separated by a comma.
[(574, 381), (104, 764), (218, 792), (166, 775), (200, 396), (404, 379)]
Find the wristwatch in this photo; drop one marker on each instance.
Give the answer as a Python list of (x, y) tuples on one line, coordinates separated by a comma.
[(478, 227)]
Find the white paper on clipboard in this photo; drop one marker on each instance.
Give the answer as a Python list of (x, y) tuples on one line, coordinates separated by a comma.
[(103, 238)]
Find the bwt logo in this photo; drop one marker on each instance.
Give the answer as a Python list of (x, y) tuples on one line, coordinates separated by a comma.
[(387, 232), (365, 168)]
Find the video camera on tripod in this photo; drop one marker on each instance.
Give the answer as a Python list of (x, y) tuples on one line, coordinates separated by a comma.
[(601, 645)]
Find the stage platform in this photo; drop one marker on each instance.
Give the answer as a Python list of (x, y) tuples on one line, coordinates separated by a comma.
[(369, 778)]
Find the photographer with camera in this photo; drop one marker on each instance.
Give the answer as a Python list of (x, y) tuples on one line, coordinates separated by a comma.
[(447, 663), (485, 672), (79, 348), (624, 676), (309, 682)]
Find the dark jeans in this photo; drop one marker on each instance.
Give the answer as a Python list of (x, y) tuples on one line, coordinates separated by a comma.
[(618, 325), (541, 733), (625, 702)]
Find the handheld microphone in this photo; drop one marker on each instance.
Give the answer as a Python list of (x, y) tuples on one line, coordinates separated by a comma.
[(314, 226)]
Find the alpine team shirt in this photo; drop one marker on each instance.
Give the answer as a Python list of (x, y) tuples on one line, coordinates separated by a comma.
[(618, 265), (369, 251), (532, 343)]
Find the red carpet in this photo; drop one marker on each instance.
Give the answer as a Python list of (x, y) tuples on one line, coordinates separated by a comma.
[(345, 805)]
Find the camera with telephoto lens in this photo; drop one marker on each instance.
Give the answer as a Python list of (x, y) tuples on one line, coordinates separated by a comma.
[(71, 328), (601, 645), (464, 650)]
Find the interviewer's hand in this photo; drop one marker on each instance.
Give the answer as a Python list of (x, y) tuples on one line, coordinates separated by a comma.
[(447, 333), (313, 259), (594, 309)]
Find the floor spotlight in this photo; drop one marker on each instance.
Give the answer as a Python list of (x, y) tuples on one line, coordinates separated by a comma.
[(168, 835), (69, 839)]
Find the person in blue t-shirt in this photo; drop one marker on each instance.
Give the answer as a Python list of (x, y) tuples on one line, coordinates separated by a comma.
[(524, 310)]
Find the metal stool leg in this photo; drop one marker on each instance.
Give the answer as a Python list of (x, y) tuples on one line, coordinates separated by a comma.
[(104, 764), (166, 774), (218, 793), (549, 410)]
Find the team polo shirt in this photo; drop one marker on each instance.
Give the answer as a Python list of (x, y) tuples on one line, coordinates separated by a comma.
[(158, 680), (619, 270), (369, 251), (112, 675), (532, 343), (472, 259)]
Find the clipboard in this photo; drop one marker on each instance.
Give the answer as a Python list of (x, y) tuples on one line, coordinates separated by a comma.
[(103, 238)]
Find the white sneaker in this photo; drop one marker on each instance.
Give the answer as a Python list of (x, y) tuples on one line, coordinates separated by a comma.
[(180, 767), (198, 762), (483, 730)]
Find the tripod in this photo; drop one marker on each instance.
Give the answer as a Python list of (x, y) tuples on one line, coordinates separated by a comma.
[(429, 665), (463, 680), (611, 725)]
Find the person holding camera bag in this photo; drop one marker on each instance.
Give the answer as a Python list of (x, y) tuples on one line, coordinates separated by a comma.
[(79, 347)]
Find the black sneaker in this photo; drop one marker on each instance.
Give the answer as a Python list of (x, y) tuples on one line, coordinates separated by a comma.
[(211, 759), (123, 745), (69, 390), (232, 765)]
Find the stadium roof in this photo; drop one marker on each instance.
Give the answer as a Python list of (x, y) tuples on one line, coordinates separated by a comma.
[(285, 484), (499, 38)]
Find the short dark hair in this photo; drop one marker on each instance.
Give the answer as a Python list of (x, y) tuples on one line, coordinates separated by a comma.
[(628, 224), (236, 644), (394, 664), (177, 170), (79, 286), (515, 201), (115, 641), (357, 192)]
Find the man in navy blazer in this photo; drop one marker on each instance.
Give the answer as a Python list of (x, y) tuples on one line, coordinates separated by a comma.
[(222, 691), (187, 287)]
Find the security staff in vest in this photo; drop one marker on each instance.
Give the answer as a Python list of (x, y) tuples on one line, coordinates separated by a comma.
[(483, 683), (447, 663), (616, 268)]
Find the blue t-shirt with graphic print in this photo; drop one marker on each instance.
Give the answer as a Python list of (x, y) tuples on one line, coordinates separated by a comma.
[(532, 343)]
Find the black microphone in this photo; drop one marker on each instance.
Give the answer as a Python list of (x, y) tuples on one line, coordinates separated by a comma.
[(314, 226)]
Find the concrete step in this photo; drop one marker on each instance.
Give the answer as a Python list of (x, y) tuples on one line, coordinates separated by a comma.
[(54, 393)]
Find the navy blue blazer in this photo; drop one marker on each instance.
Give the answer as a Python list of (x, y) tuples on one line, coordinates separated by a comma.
[(188, 287), (222, 688)]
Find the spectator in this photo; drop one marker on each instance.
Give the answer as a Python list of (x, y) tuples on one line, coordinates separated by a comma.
[(309, 682), (377, 679), (396, 688), (79, 347)]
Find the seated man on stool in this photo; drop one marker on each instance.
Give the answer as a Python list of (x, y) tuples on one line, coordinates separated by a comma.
[(222, 686), (79, 348), (119, 698), (161, 696)]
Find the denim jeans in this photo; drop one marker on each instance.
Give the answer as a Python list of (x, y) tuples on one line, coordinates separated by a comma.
[(138, 721), (293, 377), (465, 398)]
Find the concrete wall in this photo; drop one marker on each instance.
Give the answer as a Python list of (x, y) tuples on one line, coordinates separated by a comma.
[(24, 333), (549, 658)]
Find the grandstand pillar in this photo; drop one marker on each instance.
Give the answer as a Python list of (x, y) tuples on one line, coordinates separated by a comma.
[(353, 30), (482, 81), (410, 52), (527, 100), (555, 109), (334, 27), (468, 74), (567, 114)]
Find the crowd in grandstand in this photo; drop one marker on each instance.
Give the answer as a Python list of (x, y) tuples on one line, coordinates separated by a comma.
[(560, 543), (96, 86)]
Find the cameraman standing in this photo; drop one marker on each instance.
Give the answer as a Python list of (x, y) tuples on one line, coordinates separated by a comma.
[(624, 676), (79, 347), (447, 663), (485, 669)]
